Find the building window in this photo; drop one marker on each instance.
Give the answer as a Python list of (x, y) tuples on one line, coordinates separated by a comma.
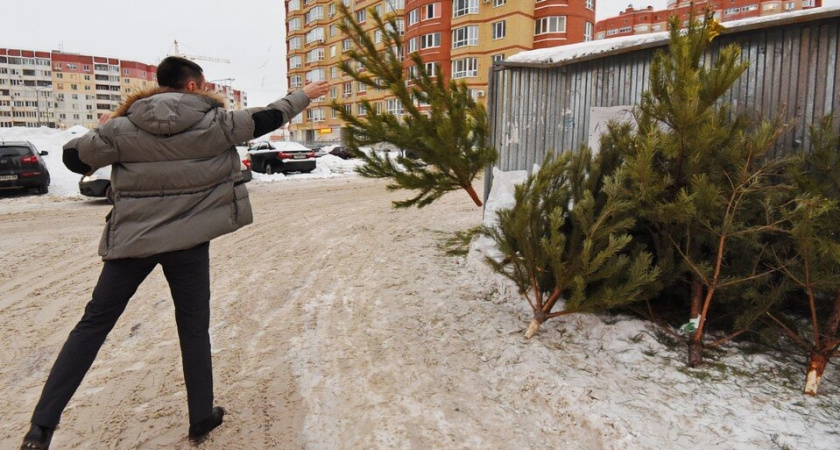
[(314, 14), (588, 29), (499, 57), (412, 45), (294, 5), (430, 40), (464, 7), (590, 4), (431, 69), (315, 115), (553, 24), (294, 24), (294, 43), (348, 89), (499, 3), (316, 54), (414, 16), (361, 16), (394, 107), (295, 81), (393, 5), (499, 29), (466, 67), (315, 75), (432, 11), (295, 62), (314, 35), (464, 36)]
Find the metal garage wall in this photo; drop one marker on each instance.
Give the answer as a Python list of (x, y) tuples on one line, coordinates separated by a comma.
[(537, 107)]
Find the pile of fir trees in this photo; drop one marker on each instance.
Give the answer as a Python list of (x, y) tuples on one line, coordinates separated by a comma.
[(689, 211), (686, 210)]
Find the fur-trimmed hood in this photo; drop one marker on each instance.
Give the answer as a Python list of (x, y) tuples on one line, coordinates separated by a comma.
[(166, 111)]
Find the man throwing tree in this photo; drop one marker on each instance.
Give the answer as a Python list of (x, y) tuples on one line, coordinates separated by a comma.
[(177, 185)]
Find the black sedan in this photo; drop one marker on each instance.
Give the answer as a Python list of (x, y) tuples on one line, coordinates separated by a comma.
[(280, 157)]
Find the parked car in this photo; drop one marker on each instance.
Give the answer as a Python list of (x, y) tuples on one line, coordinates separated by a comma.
[(98, 184), (280, 157), (342, 152), (21, 167), (320, 151)]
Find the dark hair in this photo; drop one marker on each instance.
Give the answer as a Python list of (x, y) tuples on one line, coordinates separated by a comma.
[(175, 72)]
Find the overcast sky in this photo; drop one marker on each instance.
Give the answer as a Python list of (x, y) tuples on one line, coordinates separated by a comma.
[(250, 33)]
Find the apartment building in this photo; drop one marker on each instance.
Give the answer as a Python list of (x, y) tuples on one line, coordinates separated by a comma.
[(457, 39), (631, 21), (61, 90)]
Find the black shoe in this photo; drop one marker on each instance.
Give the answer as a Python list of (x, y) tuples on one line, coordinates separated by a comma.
[(199, 431), (38, 437)]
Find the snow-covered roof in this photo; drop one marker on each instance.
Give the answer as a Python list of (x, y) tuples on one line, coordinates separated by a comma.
[(555, 56)]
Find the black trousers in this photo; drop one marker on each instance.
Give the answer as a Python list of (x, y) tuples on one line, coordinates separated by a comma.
[(188, 275)]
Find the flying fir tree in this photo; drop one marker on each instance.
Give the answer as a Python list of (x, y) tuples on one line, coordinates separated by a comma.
[(441, 129)]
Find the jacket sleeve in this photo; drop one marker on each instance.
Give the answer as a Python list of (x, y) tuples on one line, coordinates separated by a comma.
[(90, 152), (255, 122)]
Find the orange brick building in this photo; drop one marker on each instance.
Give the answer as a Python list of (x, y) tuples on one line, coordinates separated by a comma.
[(631, 21), (462, 38)]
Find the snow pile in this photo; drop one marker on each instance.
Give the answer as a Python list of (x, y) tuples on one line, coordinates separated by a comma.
[(501, 197)]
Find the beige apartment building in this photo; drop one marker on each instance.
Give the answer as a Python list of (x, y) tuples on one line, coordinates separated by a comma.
[(461, 39), (61, 90)]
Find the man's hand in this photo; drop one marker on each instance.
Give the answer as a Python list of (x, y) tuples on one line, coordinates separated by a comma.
[(104, 118), (316, 89)]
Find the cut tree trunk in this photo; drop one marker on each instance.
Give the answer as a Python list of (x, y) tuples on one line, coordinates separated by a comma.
[(816, 367), (473, 196), (695, 350), (533, 327), (695, 341)]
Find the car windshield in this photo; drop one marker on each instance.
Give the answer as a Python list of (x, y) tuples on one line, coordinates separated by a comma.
[(13, 151)]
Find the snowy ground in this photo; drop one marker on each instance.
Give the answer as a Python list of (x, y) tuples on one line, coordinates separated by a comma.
[(338, 324)]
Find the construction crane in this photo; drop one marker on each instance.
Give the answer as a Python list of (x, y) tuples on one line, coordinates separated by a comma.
[(177, 52)]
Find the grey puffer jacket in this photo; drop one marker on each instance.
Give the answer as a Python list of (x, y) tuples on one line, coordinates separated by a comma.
[(175, 169)]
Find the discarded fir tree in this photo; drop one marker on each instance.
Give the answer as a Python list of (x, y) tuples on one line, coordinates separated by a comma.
[(440, 128), (698, 172), (566, 239), (813, 261)]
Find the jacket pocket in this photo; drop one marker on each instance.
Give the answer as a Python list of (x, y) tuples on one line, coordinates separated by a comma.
[(105, 241), (242, 206)]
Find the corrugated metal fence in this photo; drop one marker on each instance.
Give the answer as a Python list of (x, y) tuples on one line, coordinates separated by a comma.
[(537, 107)]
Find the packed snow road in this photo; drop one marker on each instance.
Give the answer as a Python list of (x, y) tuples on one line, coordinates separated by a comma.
[(338, 324)]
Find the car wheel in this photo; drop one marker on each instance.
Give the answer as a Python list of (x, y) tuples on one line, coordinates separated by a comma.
[(269, 169), (41, 190)]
